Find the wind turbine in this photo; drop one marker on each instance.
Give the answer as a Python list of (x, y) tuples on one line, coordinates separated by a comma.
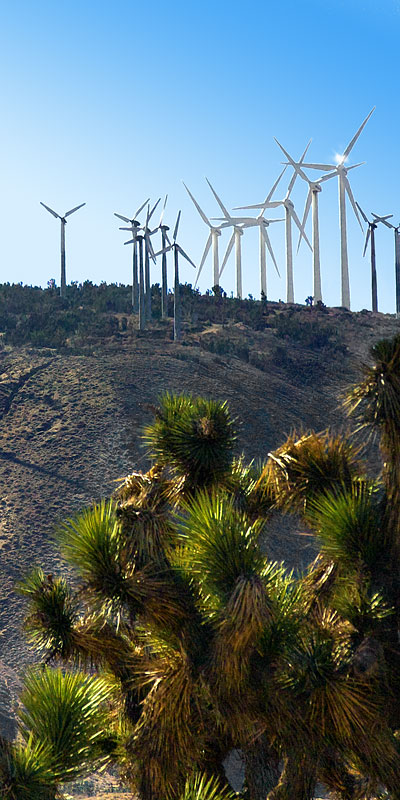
[(164, 284), (63, 224), (177, 302), (234, 240), (134, 223), (372, 226), (340, 171), (215, 232), (262, 224), (314, 189), (148, 253), (137, 241), (290, 214), (396, 256)]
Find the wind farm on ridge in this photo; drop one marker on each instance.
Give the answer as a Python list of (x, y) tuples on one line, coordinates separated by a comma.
[(143, 251)]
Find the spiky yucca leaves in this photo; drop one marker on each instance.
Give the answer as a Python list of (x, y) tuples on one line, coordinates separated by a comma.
[(52, 614), (171, 734), (200, 786), (144, 510), (249, 488), (25, 771), (193, 436), (68, 714), (375, 402), (316, 463), (101, 550), (350, 528), (226, 560)]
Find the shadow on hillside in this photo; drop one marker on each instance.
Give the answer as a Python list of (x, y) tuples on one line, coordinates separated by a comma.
[(9, 456)]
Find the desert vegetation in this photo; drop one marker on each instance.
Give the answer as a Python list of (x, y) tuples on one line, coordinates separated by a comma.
[(90, 314), (178, 640)]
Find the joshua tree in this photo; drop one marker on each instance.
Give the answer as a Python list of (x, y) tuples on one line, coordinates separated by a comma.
[(206, 643)]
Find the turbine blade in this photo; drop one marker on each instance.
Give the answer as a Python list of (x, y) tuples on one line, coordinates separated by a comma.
[(219, 201), (270, 250), (131, 241), (294, 176), (381, 219), (205, 253), (153, 210), (300, 227), (227, 253), (72, 211), (185, 255), (57, 216), (164, 250), (352, 201), (327, 177), (162, 212), (364, 216), (367, 239), (355, 137), (268, 197), (201, 212), (175, 233), (323, 167), (131, 228), (263, 206), (124, 219), (388, 224), (150, 247), (141, 207), (293, 163), (305, 215)]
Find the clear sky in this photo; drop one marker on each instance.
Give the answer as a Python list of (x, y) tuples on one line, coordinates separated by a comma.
[(109, 103)]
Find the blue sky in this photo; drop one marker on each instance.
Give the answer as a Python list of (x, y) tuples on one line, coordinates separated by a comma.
[(108, 105)]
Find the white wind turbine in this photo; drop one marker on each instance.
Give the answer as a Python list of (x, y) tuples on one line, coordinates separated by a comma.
[(215, 232), (290, 214), (314, 189), (396, 256), (177, 250), (340, 171), (134, 224), (262, 224), (234, 240), (63, 224), (372, 226)]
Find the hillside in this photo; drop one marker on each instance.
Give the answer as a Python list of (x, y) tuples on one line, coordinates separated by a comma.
[(71, 420)]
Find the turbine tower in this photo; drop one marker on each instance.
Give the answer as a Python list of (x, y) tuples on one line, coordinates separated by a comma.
[(396, 257), (137, 241), (290, 214), (63, 224), (340, 171), (234, 240), (177, 302), (372, 226), (215, 232), (148, 253), (134, 223), (164, 284)]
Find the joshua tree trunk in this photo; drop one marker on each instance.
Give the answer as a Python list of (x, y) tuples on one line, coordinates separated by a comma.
[(261, 765), (298, 778)]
